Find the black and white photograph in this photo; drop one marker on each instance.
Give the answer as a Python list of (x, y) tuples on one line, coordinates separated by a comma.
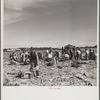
[(50, 43)]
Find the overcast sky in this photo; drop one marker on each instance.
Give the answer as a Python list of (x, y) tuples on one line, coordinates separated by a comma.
[(53, 23)]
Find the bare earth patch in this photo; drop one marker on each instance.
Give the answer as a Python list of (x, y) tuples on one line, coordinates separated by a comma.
[(60, 75)]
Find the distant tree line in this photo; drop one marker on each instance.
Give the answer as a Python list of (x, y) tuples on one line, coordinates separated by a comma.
[(45, 48)]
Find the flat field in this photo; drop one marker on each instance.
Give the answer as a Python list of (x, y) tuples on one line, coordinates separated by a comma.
[(62, 74)]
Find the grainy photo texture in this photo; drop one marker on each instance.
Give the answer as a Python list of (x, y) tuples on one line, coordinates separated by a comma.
[(50, 43)]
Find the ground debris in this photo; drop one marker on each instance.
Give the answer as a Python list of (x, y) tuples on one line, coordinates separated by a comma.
[(65, 73)]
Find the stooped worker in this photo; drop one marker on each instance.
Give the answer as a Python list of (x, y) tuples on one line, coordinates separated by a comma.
[(25, 57), (13, 58), (14, 55), (34, 64)]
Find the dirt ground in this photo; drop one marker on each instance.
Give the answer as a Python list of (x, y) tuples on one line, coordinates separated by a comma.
[(65, 75)]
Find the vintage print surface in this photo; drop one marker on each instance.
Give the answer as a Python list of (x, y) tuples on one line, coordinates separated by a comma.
[(50, 43)]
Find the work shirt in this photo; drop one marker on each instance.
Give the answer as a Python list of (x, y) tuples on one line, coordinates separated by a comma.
[(79, 52), (33, 57), (50, 55)]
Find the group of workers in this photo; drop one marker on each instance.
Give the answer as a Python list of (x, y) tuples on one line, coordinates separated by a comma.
[(27, 58), (78, 54), (33, 57)]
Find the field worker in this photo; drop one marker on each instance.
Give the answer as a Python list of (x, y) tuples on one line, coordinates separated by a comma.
[(27, 54), (50, 50), (55, 60), (71, 54), (23, 56), (34, 63), (93, 55), (50, 56), (39, 56), (63, 52), (26, 61), (15, 57), (76, 54), (79, 54), (73, 51), (57, 54), (67, 56), (87, 54), (60, 55), (11, 56), (56, 57), (47, 51), (90, 54)]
